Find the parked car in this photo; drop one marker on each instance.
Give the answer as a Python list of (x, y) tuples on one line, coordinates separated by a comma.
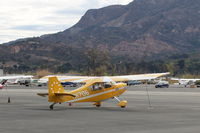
[(162, 84), (25, 82), (41, 84), (33, 82), (197, 83), (133, 82)]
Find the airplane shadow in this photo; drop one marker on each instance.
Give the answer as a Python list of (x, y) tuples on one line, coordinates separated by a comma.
[(110, 109)]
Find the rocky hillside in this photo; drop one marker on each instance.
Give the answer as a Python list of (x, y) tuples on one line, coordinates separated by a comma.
[(142, 30)]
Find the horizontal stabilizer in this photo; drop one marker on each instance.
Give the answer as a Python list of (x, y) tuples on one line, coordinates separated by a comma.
[(64, 94), (42, 94), (56, 94)]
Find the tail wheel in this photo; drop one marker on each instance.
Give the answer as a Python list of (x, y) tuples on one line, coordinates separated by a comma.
[(99, 105), (51, 107)]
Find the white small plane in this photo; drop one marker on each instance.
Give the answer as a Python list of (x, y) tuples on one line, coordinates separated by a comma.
[(13, 79), (185, 82)]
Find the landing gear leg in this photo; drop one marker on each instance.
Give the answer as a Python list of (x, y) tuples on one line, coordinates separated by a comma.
[(51, 106), (121, 103), (70, 104)]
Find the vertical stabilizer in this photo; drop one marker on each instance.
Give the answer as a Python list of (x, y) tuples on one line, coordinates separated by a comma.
[(54, 86)]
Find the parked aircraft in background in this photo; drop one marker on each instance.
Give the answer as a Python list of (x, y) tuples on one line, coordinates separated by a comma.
[(13, 79), (2, 83), (185, 82), (95, 89)]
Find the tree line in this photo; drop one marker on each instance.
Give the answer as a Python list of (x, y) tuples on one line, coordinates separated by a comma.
[(101, 63)]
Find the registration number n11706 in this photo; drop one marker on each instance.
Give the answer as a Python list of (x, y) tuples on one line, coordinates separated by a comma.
[(82, 93)]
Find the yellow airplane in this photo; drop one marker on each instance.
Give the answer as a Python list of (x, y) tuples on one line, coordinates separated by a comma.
[(95, 90)]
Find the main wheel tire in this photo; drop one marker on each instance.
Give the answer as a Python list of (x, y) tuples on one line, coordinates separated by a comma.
[(123, 106), (51, 107), (98, 105)]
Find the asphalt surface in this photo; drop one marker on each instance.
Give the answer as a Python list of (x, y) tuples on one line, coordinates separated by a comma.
[(170, 110)]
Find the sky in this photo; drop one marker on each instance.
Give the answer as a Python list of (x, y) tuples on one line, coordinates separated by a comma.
[(32, 18)]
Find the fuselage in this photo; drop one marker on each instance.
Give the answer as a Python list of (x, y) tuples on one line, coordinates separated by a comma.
[(90, 95)]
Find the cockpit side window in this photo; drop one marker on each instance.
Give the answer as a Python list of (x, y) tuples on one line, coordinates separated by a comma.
[(97, 86), (100, 86)]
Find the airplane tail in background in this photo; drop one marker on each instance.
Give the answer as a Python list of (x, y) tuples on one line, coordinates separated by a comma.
[(3, 81)]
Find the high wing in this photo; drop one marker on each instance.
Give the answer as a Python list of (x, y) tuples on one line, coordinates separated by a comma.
[(138, 77), (75, 79), (84, 79), (16, 77), (184, 81), (179, 79)]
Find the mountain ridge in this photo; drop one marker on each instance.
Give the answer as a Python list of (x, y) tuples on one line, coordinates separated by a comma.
[(144, 30)]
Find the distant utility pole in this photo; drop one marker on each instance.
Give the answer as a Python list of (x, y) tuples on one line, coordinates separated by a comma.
[(1, 72)]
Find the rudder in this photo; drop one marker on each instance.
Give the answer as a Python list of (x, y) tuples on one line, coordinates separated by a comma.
[(54, 86)]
